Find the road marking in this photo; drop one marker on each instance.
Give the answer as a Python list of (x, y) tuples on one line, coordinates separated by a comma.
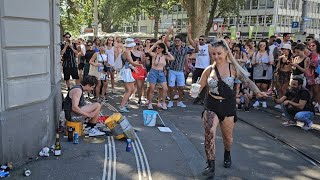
[(145, 157), (138, 150), (110, 158), (114, 166), (105, 161), (137, 161), (141, 160)]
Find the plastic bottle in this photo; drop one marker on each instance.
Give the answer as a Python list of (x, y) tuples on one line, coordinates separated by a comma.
[(129, 145)]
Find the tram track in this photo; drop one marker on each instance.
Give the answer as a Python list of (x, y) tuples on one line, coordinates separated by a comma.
[(291, 147)]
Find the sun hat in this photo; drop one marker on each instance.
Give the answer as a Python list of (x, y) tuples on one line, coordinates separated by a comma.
[(286, 46), (129, 43)]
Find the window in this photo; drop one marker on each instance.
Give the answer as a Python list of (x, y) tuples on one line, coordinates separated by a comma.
[(261, 20), (318, 8), (270, 4), (285, 4), (245, 21), (269, 19), (281, 5), (231, 21), (254, 4), (143, 29), (247, 5), (262, 4), (253, 21)]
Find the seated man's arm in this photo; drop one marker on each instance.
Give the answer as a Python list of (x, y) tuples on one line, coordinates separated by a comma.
[(75, 96), (281, 100), (303, 99), (299, 105)]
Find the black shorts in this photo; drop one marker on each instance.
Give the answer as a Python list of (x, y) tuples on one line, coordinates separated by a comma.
[(81, 66), (67, 72), (222, 108), (263, 81)]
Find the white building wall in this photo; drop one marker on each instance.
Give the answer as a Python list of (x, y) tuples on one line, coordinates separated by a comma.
[(30, 90)]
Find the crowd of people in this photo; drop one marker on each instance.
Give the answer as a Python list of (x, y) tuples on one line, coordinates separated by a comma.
[(231, 74)]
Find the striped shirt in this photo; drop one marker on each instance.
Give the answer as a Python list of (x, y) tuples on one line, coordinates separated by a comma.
[(69, 57), (179, 57)]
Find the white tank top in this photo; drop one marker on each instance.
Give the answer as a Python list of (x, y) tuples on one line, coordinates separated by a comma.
[(110, 54), (202, 57), (101, 57)]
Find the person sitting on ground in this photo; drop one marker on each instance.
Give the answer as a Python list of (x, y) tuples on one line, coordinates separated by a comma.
[(297, 105), (244, 96), (77, 110)]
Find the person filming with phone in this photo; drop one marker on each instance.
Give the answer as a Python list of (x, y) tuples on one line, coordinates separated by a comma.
[(297, 105)]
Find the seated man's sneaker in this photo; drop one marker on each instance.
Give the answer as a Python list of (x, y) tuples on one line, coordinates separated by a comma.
[(95, 132), (307, 126)]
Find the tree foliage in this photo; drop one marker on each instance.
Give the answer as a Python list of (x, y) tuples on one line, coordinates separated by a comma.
[(74, 14)]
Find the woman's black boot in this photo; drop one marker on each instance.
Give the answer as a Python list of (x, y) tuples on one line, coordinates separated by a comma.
[(209, 171), (227, 159)]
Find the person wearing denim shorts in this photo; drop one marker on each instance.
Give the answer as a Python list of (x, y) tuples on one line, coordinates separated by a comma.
[(156, 74), (176, 70)]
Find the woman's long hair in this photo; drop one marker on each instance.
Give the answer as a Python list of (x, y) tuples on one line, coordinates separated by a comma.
[(163, 46), (231, 59)]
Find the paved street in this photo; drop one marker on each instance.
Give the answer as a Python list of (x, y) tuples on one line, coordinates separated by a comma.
[(180, 154)]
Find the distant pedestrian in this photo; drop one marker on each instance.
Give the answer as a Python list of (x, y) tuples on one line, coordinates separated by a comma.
[(69, 64)]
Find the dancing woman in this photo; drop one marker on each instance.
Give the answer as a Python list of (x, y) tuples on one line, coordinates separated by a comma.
[(220, 102)]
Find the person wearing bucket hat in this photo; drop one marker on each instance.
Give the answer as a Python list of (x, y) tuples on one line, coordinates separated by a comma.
[(126, 73), (140, 74), (283, 70)]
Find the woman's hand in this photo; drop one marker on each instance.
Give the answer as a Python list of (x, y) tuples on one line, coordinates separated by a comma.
[(261, 94)]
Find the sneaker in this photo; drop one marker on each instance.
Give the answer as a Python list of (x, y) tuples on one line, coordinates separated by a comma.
[(159, 105), (168, 98), (164, 106), (143, 98), (278, 106), (176, 97), (256, 104), (289, 123), (95, 132), (239, 106), (123, 110), (86, 130), (91, 96), (246, 109), (170, 104), (180, 104), (264, 104), (307, 126), (150, 106)]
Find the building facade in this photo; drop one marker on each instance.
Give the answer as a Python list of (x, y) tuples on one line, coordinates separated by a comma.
[(258, 13), (30, 90)]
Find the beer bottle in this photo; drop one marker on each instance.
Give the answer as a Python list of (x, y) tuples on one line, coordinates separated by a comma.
[(57, 148)]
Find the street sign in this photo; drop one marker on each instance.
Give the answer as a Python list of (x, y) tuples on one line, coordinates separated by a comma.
[(215, 27), (218, 20), (295, 25)]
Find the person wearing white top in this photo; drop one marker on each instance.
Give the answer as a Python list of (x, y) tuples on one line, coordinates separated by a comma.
[(98, 63), (202, 62), (110, 52)]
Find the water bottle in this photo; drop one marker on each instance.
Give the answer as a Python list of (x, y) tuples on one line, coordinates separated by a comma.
[(76, 138), (129, 146), (242, 99)]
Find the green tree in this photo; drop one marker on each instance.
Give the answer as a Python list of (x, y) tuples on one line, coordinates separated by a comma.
[(74, 14), (222, 8)]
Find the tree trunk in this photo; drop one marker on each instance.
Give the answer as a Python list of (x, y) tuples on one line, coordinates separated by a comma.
[(156, 26), (214, 5), (197, 11)]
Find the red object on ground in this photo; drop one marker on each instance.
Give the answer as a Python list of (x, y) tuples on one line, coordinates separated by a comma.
[(102, 119), (140, 75)]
